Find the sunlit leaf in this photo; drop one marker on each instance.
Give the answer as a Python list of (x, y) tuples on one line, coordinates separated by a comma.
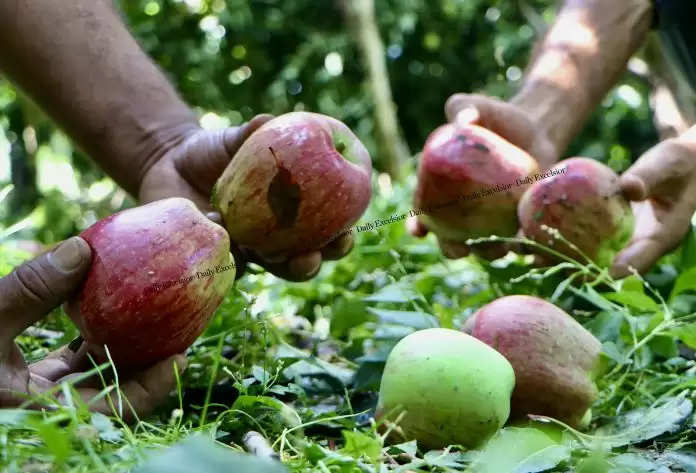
[(418, 320), (635, 300), (397, 292), (685, 282), (358, 444), (520, 450)]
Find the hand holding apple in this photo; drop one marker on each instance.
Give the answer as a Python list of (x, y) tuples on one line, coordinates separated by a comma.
[(188, 167), (30, 292), (159, 273), (460, 164), (294, 185)]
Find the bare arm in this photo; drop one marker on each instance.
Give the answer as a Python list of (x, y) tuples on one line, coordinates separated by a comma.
[(79, 62), (579, 60)]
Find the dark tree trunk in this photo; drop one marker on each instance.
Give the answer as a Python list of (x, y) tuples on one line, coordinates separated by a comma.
[(25, 195)]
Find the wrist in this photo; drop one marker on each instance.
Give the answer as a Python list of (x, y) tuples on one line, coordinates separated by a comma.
[(688, 139), (158, 142), (553, 112)]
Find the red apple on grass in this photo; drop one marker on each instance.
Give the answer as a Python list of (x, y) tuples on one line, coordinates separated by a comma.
[(555, 359), (294, 185), (469, 183), (158, 274), (581, 199)]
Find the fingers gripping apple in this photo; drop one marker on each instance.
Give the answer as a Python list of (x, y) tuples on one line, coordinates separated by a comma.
[(158, 274)]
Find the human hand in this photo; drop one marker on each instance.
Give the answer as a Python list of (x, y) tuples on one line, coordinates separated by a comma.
[(514, 124), (27, 295), (190, 169), (662, 188)]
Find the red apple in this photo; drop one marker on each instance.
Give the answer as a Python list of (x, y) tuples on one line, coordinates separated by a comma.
[(469, 182), (158, 274), (294, 185), (580, 198), (554, 357)]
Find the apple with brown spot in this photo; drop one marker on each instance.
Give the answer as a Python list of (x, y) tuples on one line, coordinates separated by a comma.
[(582, 200), (294, 185), (158, 274), (460, 162)]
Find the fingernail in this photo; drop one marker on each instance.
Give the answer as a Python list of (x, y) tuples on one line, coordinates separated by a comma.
[(76, 344), (467, 116), (68, 256), (215, 217)]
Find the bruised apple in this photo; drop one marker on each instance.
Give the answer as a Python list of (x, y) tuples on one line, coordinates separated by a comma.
[(453, 388), (580, 199), (469, 183), (554, 357), (294, 185), (158, 274)]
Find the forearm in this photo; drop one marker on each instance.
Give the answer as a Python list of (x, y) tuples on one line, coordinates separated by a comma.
[(77, 60), (579, 60), (688, 138)]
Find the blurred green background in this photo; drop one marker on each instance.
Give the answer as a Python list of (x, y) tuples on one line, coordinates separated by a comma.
[(232, 59)]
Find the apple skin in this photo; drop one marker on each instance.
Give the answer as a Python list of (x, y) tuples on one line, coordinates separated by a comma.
[(454, 388), (554, 357), (459, 160), (118, 304), (583, 203), (294, 185)]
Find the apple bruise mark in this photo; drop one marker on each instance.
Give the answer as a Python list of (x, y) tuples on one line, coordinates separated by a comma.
[(479, 146), (283, 195)]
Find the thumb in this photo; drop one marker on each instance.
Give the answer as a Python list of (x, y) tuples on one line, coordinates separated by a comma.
[(235, 136), (205, 155), (499, 117), (640, 255), (637, 182), (657, 172), (40, 285)]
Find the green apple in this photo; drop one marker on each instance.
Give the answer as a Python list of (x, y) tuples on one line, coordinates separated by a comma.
[(451, 387)]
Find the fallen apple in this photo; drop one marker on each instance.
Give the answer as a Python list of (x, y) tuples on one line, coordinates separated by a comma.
[(158, 274), (453, 388), (554, 357), (469, 183), (583, 202), (295, 184)]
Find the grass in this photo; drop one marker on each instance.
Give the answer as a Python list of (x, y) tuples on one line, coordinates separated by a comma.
[(300, 363)]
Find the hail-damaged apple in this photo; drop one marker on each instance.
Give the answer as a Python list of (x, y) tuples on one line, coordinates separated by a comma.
[(158, 274), (555, 359), (469, 183), (583, 202), (295, 184)]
